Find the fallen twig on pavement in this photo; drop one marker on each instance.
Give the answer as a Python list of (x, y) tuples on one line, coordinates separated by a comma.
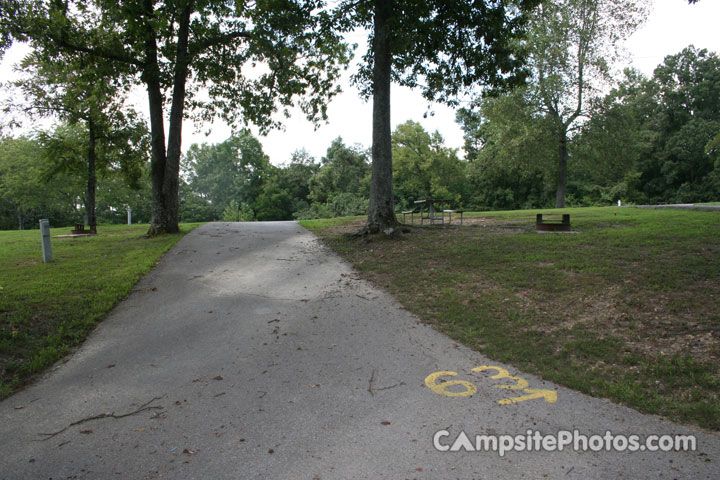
[(142, 408)]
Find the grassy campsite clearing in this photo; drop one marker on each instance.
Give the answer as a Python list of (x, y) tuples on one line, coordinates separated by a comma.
[(626, 308)]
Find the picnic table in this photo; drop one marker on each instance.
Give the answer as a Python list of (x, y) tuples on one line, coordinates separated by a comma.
[(433, 210), (80, 230)]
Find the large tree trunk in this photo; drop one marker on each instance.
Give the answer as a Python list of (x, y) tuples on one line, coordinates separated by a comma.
[(165, 168), (171, 180), (381, 211), (562, 169), (92, 178), (151, 76), (158, 220)]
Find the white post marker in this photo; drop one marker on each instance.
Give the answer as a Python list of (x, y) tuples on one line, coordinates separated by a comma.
[(45, 236), (129, 215), (619, 203)]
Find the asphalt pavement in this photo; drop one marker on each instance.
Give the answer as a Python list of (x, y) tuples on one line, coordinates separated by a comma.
[(253, 352)]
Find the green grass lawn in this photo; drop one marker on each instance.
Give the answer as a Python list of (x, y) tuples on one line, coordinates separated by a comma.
[(625, 309), (47, 309)]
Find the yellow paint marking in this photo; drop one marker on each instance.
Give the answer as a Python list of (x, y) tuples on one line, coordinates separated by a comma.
[(442, 388), (520, 384), (502, 373), (550, 396)]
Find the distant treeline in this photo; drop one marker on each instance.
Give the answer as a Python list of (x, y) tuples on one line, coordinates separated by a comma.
[(36, 182), (649, 140)]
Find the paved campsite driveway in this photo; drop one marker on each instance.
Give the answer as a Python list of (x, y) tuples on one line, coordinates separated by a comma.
[(252, 351)]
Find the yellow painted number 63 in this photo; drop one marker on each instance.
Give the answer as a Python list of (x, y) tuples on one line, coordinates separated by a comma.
[(443, 387)]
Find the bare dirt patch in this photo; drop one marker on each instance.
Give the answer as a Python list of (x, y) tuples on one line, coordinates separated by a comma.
[(27, 262)]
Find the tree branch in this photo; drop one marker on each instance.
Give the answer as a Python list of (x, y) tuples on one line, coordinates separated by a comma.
[(97, 52), (197, 48), (62, 42), (142, 408), (56, 109), (543, 93), (589, 23)]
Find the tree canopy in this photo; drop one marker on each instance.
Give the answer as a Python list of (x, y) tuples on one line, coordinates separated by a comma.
[(199, 59), (571, 45), (423, 167), (647, 140), (439, 46), (85, 94), (681, 160), (232, 170)]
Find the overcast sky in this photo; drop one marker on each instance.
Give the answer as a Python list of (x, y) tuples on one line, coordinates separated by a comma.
[(672, 26)]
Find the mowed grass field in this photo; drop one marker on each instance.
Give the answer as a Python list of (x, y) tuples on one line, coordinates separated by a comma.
[(627, 308), (48, 309)]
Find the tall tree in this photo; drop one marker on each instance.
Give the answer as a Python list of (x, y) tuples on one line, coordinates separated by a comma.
[(570, 46), (180, 49), (655, 140), (78, 89), (96, 155), (442, 46)]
